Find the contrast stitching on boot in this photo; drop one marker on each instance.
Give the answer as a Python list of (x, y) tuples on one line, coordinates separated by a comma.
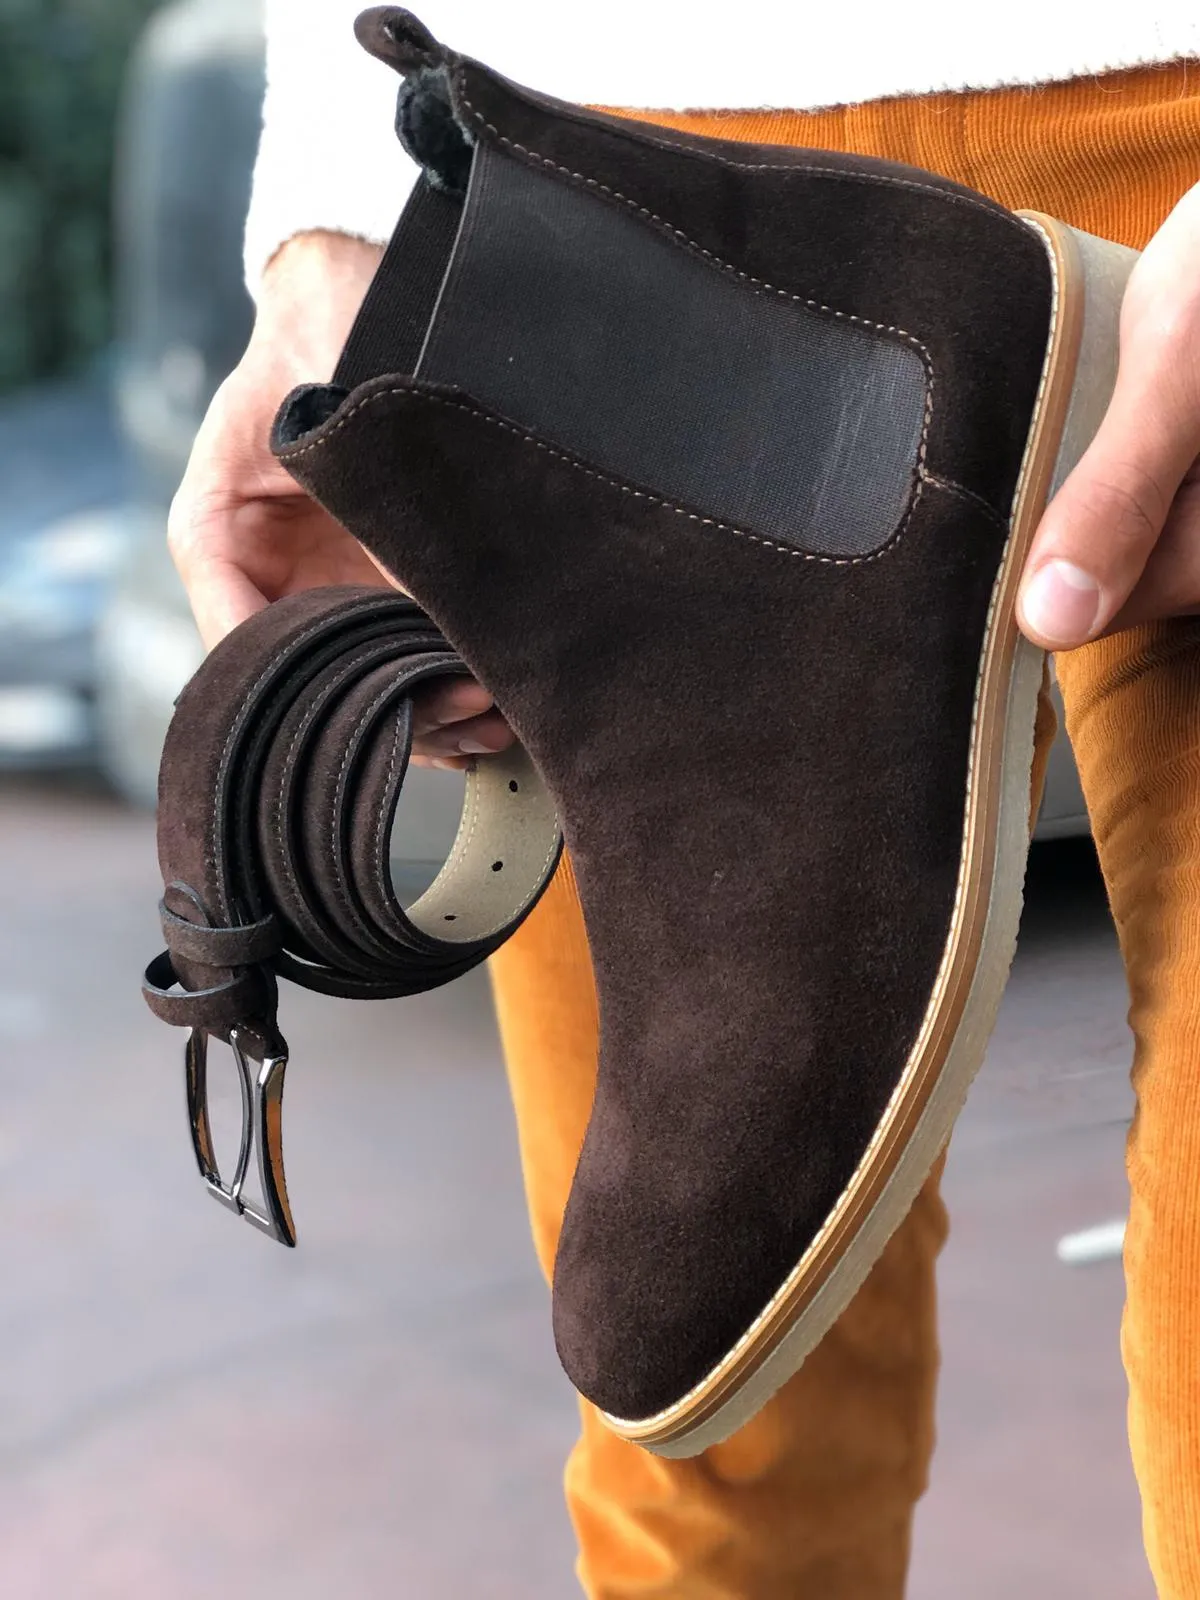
[(760, 284), (998, 213), (920, 476), (709, 255), (963, 493), (730, 1356)]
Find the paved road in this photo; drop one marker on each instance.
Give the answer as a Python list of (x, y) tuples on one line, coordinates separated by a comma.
[(187, 1411)]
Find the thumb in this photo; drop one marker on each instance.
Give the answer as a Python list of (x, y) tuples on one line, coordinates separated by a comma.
[(1100, 528)]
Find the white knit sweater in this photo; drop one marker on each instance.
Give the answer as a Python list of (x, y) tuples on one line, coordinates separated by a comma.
[(329, 158)]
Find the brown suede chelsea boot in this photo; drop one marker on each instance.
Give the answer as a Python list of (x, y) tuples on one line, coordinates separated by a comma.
[(717, 464)]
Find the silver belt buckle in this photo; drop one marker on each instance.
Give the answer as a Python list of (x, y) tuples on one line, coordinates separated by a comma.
[(261, 1061)]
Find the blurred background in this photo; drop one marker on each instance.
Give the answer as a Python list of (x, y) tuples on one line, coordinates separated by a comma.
[(185, 1409)]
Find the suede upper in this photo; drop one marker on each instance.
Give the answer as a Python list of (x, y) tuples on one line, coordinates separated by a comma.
[(759, 754)]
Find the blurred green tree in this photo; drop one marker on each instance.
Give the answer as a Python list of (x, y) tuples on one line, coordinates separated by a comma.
[(61, 65)]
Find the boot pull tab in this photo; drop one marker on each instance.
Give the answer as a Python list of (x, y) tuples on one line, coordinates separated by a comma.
[(394, 35)]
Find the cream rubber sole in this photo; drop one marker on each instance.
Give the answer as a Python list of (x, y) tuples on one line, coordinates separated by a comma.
[(1077, 381)]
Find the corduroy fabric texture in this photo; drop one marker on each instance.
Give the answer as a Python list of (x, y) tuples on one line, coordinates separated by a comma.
[(815, 1497), (1133, 712)]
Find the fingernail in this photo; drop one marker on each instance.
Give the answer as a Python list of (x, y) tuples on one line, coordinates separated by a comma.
[(471, 747), (1062, 602), (445, 766)]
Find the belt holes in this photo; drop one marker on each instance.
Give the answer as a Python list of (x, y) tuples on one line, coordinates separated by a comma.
[(497, 866), (450, 916), (513, 786)]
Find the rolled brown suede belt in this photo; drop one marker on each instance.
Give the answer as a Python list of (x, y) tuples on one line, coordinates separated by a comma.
[(279, 783)]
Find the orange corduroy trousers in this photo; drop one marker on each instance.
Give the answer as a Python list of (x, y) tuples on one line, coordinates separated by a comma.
[(813, 1500)]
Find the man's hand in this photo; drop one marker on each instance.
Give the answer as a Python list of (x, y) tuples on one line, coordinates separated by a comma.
[(1120, 542), (242, 532)]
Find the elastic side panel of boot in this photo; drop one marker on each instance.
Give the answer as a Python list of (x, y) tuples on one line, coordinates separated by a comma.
[(393, 321), (598, 330)]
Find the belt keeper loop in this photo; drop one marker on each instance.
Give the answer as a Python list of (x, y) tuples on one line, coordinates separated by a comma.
[(244, 945)]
